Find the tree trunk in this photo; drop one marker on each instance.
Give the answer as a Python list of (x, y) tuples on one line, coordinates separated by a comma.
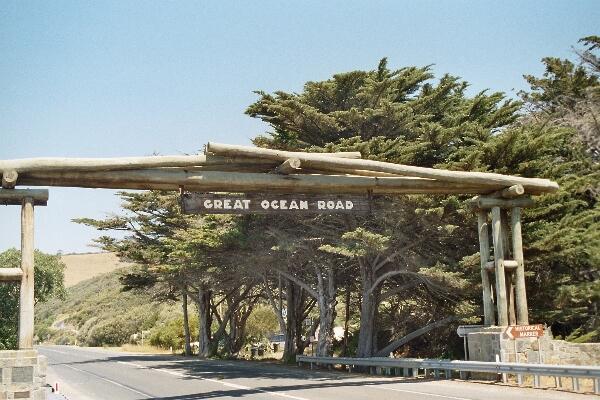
[(344, 352), (368, 306), (327, 302), (186, 324), (233, 331), (289, 349), (241, 319), (204, 322), (326, 319), (300, 299)]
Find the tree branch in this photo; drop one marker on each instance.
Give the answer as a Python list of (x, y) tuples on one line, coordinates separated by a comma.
[(298, 282), (413, 335)]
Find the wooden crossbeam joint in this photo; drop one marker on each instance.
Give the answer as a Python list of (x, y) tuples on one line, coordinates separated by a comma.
[(15, 197), (9, 179), (511, 192), (10, 274), (289, 166)]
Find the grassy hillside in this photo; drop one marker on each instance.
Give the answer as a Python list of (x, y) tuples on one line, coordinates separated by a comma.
[(80, 267), (96, 312)]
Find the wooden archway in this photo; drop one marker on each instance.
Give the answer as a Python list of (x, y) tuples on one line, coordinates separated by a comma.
[(243, 169)]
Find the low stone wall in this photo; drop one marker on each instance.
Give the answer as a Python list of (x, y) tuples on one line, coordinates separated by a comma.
[(23, 375), (489, 342)]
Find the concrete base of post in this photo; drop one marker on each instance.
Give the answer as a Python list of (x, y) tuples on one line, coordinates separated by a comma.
[(22, 375)]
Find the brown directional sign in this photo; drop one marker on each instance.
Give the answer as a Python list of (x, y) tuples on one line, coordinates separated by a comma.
[(212, 203), (524, 331)]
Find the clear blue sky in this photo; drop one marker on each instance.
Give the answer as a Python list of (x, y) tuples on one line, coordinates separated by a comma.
[(121, 78)]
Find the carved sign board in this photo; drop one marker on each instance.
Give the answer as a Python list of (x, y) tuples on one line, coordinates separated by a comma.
[(212, 203), (525, 331)]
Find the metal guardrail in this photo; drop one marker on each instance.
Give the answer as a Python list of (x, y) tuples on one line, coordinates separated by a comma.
[(413, 366)]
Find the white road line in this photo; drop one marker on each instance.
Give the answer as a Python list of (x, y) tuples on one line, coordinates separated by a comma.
[(220, 382), (110, 381), (421, 393)]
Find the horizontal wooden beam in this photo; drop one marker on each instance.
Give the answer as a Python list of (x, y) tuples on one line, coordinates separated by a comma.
[(10, 274), (16, 196), (315, 161), (127, 163), (508, 265), (490, 202), (174, 179)]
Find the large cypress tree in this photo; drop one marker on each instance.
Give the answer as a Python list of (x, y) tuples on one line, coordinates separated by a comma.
[(402, 116)]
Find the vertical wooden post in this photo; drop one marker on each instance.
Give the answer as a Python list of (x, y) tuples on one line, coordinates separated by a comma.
[(508, 275), (499, 264), (484, 255), (510, 298), (26, 298), (517, 245)]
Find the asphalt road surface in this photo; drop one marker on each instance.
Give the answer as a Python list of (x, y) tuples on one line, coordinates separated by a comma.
[(95, 374)]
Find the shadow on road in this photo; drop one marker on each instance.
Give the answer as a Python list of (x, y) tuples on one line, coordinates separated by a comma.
[(195, 369)]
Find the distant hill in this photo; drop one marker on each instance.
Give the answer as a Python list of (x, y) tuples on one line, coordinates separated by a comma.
[(96, 311), (81, 267)]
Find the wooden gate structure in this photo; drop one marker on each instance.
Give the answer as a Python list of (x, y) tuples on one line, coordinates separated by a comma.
[(243, 169)]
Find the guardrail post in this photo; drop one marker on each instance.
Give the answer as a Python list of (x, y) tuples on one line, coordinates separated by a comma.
[(405, 372), (597, 386), (448, 374), (415, 372), (557, 382), (536, 381), (575, 384), (436, 373), (520, 379)]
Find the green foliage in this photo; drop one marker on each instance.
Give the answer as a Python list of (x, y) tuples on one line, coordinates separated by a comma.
[(49, 283), (399, 116), (261, 324), (562, 83), (170, 333)]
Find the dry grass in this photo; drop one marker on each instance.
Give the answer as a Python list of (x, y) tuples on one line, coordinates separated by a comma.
[(548, 382), (146, 349), (85, 266)]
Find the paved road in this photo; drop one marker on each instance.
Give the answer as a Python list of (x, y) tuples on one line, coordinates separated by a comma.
[(94, 374)]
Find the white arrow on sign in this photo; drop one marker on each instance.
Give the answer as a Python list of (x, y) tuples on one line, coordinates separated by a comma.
[(524, 331)]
